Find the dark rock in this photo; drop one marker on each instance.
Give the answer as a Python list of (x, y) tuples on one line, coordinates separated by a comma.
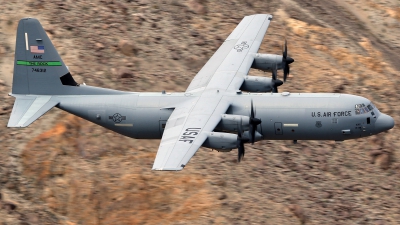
[(222, 197), (354, 187), (143, 2), (138, 18), (375, 153), (9, 206), (194, 33), (99, 46), (125, 73), (387, 187), (327, 195), (175, 55)]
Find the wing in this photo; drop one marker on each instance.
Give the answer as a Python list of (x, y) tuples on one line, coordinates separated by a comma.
[(191, 122), (229, 65), (186, 130)]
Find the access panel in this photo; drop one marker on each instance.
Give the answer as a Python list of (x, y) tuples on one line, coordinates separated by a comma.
[(278, 128)]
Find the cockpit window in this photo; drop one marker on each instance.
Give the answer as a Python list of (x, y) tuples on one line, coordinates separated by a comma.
[(361, 108)]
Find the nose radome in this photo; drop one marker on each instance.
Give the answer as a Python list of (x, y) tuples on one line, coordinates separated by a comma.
[(384, 123)]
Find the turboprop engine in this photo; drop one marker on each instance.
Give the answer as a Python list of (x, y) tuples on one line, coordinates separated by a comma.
[(269, 62), (232, 123), (225, 142), (266, 62)]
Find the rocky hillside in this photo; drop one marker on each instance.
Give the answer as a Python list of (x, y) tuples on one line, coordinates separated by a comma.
[(64, 170)]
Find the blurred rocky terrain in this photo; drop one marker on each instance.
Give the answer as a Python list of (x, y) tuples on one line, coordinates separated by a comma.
[(64, 170)]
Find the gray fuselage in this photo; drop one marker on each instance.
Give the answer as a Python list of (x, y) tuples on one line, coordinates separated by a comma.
[(284, 116)]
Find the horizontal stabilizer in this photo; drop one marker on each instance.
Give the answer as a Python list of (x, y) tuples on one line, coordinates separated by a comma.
[(29, 108)]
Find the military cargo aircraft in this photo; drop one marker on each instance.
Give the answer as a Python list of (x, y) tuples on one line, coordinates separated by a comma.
[(223, 108)]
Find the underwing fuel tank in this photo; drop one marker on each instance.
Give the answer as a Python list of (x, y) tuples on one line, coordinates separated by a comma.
[(257, 84)]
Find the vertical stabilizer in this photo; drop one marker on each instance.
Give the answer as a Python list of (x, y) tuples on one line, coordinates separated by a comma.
[(38, 68)]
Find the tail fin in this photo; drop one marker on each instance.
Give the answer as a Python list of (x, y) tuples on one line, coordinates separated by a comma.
[(39, 73), (38, 68)]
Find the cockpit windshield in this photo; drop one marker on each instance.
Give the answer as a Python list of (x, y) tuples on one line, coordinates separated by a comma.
[(361, 108)]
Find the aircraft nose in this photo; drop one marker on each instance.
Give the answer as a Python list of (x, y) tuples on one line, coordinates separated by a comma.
[(384, 123)]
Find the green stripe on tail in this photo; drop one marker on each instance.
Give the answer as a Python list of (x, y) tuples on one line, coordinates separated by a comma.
[(38, 63)]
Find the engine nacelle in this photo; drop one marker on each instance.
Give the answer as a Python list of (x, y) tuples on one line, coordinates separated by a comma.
[(232, 122), (257, 84), (267, 62), (223, 142)]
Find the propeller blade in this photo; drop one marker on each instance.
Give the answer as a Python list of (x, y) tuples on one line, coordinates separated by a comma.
[(252, 133), (274, 72), (240, 142), (285, 62), (240, 151), (240, 130), (285, 72), (253, 124), (275, 82), (251, 110), (285, 51)]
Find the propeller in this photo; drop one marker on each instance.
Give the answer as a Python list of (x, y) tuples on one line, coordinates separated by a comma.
[(285, 62), (253, 122), (240, 142), (275, 82)]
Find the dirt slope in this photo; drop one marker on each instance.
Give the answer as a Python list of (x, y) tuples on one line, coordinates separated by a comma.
[(64, 170)]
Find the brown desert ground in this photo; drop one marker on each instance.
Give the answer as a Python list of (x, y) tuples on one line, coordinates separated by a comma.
[(65, 170)]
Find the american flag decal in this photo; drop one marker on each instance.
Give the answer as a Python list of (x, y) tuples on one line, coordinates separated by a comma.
[(37, 49)]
